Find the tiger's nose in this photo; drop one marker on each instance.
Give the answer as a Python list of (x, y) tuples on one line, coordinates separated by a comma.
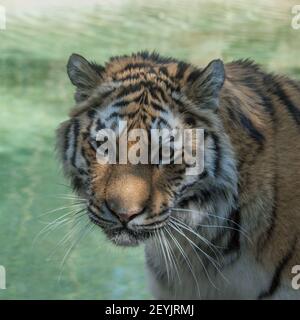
[(124, 214), (128, 191)]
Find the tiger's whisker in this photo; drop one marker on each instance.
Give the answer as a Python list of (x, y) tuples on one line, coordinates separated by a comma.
[(60, 209), (164, 255), (173, 223), (83, 233), (171, 256), (187, 260), (212, 215), (214, 263), (67, 236), (51, 226), (214, 249)]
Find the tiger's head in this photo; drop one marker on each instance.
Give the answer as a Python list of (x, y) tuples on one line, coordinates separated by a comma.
[(131, 201)]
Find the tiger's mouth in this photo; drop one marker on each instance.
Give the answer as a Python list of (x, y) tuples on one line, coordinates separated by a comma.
[(132, 234), (126, 237)]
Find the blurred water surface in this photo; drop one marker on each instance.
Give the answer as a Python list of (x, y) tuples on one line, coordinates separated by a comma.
[(35, 96)]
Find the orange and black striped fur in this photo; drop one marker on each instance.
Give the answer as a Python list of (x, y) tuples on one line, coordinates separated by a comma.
[(232, 231)]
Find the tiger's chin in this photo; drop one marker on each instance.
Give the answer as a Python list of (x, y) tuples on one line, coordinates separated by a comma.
[(126, 238)]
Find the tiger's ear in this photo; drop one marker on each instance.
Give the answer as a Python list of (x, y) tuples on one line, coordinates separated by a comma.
[(205, 85), (84, 75)]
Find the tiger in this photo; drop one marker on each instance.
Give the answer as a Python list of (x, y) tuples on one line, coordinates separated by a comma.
[(231, 231)]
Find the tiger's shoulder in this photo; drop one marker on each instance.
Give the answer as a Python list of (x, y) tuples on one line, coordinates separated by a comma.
[(261, 114)]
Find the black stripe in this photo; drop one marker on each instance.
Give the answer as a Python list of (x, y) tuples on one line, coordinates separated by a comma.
[(178, 101), (239, 117), (132, 77), (144, 117), (234, 242), (164, 71), (207, 195), (125, 103), (139, 78), (91, 113), (85, 158), (275, 283), (165, 122), (186, 201), (217, 149), (129, 115), (121, 104), (67, 140), (232, 116), (179, 171), (266, 100), (194, 75), (99, 125), (169, 84), (250, 128), (182, 67), (112, 115), (267, 103), (129, 90), (136, 66), (157, 107), (294, 111), (163, 95), (76, 129), (106, 94), (252, 82), (283, 97), (272, 222), (82, 172), (96, 206), (203, 174), (76, 183)]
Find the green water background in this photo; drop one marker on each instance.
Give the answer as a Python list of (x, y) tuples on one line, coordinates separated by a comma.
[(35, 96)]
